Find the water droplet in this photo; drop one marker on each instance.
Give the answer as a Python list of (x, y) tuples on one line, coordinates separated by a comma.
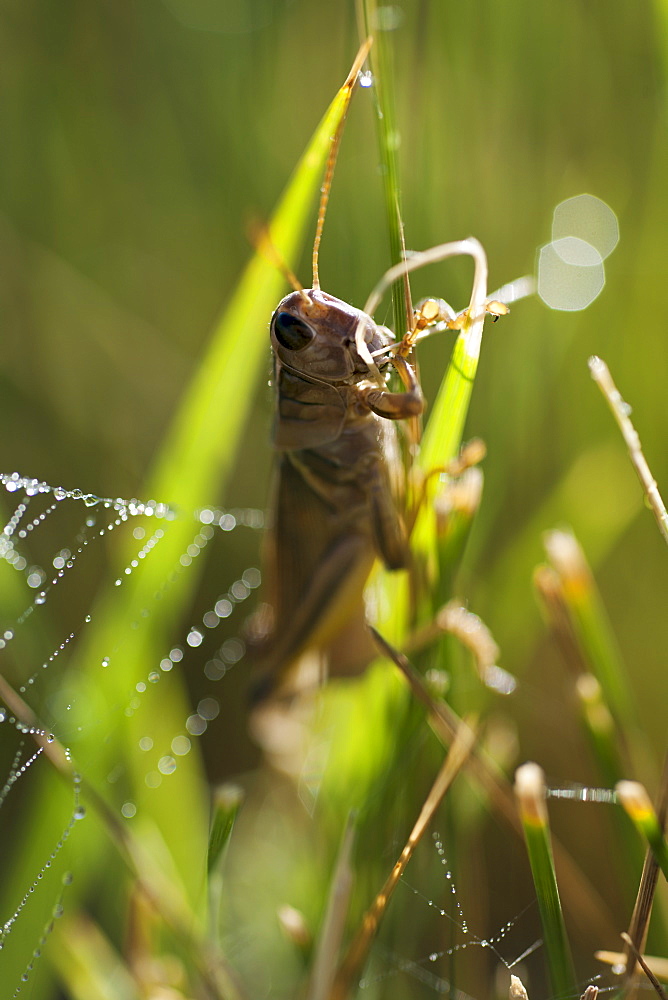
[(166, 765), (196, 725), (181, 745), (208, 708), (239, 590), (232, 650), (252, 577), (223, 608)]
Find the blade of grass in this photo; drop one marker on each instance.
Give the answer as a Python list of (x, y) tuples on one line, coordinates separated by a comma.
[(642, 909), (638, 806), (333, 925), (530, 793), (590, 624), (227, 801), (192, 465), (382, 67)]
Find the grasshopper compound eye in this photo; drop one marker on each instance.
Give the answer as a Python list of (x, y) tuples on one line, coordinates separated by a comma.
[(291, 332)]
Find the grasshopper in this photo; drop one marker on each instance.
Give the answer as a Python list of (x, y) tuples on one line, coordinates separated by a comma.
[(337, 494)]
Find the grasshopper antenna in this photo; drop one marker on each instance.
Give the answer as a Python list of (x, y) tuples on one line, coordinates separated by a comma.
[(348, 87), (260, 237)]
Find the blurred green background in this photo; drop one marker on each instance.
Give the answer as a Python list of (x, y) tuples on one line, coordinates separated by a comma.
[(142, 140)]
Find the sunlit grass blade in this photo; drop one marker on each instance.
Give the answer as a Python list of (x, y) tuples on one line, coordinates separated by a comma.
[(89, 965), (595, 712), (382, 66), (600, 727), (590, 624), (638, 806), (456, 504), (333, 926), (227, 801), (530, 793), (190, 471)]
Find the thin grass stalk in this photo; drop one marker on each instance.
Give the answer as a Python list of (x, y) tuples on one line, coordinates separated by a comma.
[(620, 410), (333, 925), (358, 951), (638, 807), (600, 728), (227, 800), (591, 625), (642, 909), (645, 966), (455, 504), (530, 793), (597, 720), (382, 67)]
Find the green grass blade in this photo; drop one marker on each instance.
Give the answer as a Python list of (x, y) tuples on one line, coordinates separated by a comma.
[(530, 792), (591, 625), (191, 469), (382, 66), (639, 808), (227, 801)]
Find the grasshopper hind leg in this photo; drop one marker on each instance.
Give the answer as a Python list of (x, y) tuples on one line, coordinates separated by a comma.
[(330, 617)]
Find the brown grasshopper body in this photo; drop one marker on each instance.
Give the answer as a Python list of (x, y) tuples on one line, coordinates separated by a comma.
[(336, 504)]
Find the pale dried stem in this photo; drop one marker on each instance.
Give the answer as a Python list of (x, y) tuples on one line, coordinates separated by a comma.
[(601, 375), (460, 750)]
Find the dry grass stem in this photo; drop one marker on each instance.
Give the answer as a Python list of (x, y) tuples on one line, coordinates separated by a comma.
[(620, 410), (644, 966), (358, 951)]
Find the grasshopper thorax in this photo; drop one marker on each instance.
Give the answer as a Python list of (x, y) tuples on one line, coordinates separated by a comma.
[(314, 334)]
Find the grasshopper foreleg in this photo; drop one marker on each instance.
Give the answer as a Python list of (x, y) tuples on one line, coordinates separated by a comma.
[(396, 405)]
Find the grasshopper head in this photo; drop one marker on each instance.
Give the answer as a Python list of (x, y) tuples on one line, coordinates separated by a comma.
[(313, 334)]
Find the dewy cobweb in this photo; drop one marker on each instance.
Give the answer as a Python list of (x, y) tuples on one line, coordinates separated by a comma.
[(53, 547)]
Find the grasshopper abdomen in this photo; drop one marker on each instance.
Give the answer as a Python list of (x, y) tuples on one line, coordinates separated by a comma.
[(336, 508)]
